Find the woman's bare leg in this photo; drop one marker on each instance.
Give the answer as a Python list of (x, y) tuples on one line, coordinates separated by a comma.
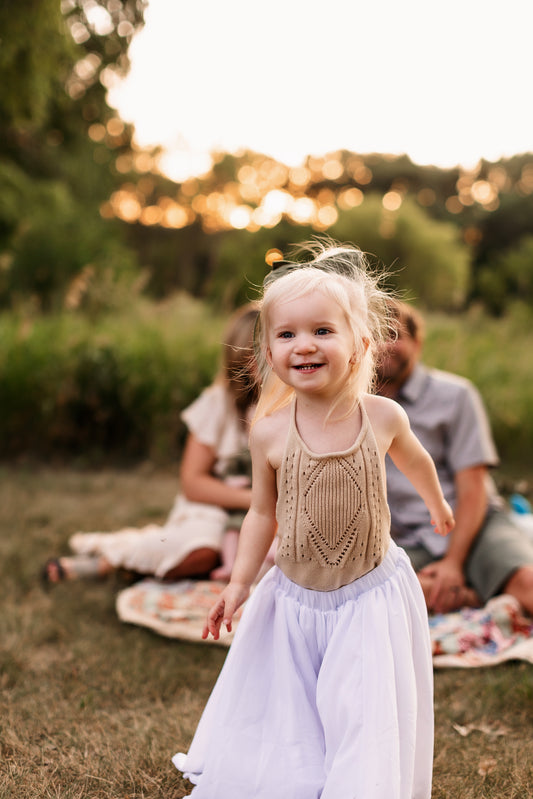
[(230, 542), (198, 562)]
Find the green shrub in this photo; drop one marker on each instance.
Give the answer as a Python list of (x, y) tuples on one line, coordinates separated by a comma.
[(114, 389), (64, 264), (492, 353), (425, 258)]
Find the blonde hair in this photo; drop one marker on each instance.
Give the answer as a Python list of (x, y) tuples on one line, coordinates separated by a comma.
[(341, 273)]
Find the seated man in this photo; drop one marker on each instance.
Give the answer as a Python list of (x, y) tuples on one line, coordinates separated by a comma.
[(486, 554)]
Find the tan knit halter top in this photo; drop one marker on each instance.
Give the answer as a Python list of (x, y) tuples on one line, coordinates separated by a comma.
[(332, 512)]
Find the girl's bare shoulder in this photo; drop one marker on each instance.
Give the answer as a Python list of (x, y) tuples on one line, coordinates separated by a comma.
[(384, 412), (270, 434)]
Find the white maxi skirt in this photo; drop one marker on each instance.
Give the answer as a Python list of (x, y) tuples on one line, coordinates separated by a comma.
[(323, 695)]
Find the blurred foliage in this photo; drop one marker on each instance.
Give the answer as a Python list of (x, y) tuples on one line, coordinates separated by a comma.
[(49, 46), (36, 58), (424, 259), (435, 229), (239, 268), (508, 274), (64, 265), (56, 60), (88, 222), (107, 389), (478, 346), (84, 214), (111, 389)]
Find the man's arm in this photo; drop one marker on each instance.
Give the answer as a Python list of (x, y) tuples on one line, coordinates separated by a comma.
[(447, 575)]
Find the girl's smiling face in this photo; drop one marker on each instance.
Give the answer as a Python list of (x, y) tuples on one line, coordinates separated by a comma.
[(310, 344)]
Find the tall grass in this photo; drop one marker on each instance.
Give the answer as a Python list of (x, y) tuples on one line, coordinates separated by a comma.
[(114, 388), (496, 354), (71, 386)]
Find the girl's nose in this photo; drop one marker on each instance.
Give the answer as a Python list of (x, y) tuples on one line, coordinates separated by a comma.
[(304, 343)]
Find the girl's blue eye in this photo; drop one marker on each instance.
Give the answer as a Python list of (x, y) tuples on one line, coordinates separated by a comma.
[(322, 331), (285, 334)]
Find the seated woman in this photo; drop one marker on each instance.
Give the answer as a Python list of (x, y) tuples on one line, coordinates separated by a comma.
[(199, 537)]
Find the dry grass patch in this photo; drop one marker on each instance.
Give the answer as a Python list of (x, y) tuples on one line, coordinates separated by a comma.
[(91, 707)]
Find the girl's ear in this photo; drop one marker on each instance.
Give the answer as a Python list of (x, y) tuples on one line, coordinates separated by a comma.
[(268, 355), (365, 345)]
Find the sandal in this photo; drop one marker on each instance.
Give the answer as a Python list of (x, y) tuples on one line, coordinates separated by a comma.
[(76, 567), (54, 563)]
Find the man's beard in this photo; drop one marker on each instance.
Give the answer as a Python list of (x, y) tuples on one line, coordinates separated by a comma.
[(392, 370)]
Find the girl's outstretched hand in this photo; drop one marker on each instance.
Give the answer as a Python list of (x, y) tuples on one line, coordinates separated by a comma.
[(224, 608), (442, 519)]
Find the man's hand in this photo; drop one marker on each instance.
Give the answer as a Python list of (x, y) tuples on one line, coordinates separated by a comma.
[(444, 585)]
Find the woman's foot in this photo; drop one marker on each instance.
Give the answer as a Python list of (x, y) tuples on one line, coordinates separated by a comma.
[(58, 570)]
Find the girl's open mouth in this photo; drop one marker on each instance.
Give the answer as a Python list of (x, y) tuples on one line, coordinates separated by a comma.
[(308, 367)]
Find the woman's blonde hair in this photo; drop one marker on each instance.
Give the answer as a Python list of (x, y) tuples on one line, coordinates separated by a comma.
[(340, 272)]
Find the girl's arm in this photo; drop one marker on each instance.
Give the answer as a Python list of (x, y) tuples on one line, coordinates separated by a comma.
[(256, 536), (200, 485), (416, 463)]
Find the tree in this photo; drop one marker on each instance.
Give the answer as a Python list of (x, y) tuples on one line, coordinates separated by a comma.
[(239, 264), (507, 277), (53, 174), (423, 258), (36, 56), (51, 48)]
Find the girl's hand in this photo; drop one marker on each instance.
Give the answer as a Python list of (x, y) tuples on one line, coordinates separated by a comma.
[(442, 519), (222, 612)]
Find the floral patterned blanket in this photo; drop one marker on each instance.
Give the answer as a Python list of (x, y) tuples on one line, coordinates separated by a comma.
[(471, 637), (175, 610), (482, 636)]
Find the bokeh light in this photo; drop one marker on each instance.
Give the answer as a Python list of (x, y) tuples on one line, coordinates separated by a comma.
[(392, 200)]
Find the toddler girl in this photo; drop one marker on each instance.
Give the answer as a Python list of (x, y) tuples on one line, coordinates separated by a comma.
[(327, 688)]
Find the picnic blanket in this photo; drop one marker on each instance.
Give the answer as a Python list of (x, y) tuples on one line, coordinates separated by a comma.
[(468, 638), (482, 636), (175, 610)]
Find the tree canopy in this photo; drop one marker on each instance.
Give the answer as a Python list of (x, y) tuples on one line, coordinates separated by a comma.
[(56, 59), (80, 206)]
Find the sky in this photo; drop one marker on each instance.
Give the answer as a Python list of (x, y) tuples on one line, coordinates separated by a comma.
[(446, 81)]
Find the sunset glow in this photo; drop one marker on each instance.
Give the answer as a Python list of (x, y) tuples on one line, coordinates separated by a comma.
[(205, 78), (204, 81), (266, 192)]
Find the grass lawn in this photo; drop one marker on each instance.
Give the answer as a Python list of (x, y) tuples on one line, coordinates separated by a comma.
[(91, 707)]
